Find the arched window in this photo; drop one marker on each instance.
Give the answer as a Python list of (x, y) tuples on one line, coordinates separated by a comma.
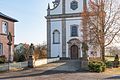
[(56, 37), (4, 27), (74, 30)]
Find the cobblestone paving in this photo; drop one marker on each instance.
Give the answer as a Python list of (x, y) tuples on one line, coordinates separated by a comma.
[(48, 72)]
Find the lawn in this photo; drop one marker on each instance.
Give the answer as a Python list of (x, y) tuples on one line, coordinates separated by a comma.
[(110, 58), (112, 71)]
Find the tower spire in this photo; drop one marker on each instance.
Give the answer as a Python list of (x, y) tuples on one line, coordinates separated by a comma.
[(48, 6), (48, 10)]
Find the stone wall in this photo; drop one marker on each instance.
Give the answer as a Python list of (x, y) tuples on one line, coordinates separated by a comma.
[(21, 65)]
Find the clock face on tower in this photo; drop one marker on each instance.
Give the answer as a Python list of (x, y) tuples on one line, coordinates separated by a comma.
[(4, 27), (74, 5)]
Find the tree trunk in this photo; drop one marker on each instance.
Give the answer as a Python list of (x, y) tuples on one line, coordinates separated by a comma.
[(103, 53)]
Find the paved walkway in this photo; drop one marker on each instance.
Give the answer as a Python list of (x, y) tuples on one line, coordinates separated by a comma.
[(68, 65), (62, 70)]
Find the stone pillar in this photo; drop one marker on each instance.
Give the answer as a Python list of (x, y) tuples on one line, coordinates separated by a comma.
[(31, 62), (31, 57), (48, 33), (84, 64)]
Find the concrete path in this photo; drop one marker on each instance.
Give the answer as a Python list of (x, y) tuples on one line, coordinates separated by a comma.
[(68, 65)]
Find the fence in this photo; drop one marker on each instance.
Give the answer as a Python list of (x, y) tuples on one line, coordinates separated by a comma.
[(20, 65)]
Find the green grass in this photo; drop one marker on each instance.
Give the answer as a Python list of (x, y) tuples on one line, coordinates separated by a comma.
[(110, 58)]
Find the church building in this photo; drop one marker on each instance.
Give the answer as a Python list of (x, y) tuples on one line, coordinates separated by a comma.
[(65, 33)]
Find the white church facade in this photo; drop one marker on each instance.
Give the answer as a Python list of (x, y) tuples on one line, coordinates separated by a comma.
[(64, 29)]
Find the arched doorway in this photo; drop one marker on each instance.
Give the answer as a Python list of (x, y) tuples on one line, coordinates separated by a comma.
[(74, 52)]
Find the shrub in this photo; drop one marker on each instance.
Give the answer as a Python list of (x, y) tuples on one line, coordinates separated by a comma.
[(97, 66), (116, 61), (21, 58), (2, 59), (21, 53), (109, 64)]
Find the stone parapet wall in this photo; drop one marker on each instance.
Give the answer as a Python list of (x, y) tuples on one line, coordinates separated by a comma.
[(21, 65)]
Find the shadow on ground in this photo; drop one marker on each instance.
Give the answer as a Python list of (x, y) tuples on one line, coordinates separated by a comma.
[(67, 67), (49, 72), (114, 77)]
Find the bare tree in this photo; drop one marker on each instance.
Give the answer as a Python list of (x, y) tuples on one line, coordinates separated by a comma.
[(113, 51), (103, 22), (40, 52)]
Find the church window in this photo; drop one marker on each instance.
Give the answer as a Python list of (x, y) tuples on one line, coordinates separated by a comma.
[(56, 37), (74, 5), (74, 30), (1, 48)]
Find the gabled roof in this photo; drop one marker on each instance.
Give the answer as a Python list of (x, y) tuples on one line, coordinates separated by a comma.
[(7, 17)]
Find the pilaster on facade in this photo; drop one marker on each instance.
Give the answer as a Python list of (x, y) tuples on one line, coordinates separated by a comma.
[(63, 31), (48, 38)]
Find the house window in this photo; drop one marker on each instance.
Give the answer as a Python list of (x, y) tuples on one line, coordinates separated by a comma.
[(1, 48), (74, 5), (56, 37), (5, 27), (74, 30)]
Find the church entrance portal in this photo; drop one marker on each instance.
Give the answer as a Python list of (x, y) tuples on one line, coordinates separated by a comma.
[(74, 48), (74, 52)]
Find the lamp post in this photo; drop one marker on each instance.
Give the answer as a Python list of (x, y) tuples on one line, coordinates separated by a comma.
[(9, 37)]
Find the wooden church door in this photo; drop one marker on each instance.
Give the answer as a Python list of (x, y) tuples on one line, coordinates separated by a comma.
[(74, 52)]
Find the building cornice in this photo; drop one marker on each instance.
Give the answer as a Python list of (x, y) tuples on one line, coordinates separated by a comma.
[(64, 15)]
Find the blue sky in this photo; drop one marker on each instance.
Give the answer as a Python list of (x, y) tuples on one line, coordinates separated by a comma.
[(31, 27)]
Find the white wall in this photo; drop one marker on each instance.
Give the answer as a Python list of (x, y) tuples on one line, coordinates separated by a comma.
[(21, 65), (40, 62), (73, 21), (56, 24), (57, 10), (69, 22), (56, 49), (45, 61)]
